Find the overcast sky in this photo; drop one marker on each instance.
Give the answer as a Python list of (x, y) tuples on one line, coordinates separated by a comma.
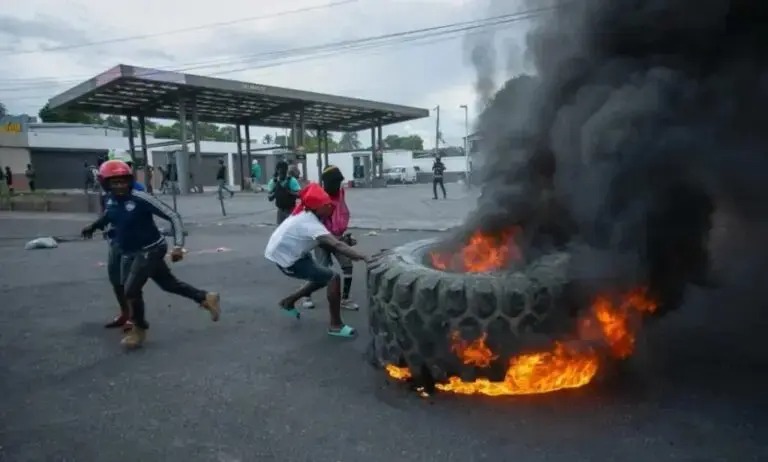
[(423, 74)]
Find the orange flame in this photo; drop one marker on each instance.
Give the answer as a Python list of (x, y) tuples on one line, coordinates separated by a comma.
[(483, 252), (565, 366), (475, 353)]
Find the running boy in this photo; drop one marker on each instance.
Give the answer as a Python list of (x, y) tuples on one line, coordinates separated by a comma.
[(289, 248), (143, 247), (114, 258)]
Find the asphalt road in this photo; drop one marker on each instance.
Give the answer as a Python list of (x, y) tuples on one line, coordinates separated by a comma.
[(259, 386), (404, 207)]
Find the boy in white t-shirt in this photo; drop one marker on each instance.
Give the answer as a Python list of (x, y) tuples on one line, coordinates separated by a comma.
[(290, 248)]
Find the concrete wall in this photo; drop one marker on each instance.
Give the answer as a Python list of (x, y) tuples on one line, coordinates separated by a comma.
[(48, 139), (455, 166), (65, 129), (14, 153), (78, 141)]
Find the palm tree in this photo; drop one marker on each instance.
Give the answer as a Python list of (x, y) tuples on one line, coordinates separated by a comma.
[(267, 139), (349, 141)]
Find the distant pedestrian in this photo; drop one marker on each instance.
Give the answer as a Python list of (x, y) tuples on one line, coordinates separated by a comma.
[(30, 174), (256, 176), (89, 178), (438, 169), (148, 179), (163, 179), (221, 177), (283, 189), (9, 179), (2, 182)]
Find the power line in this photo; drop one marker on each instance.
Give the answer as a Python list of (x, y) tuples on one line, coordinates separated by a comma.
[(309, 51), (299, 51), (183, 30), (301, 54)]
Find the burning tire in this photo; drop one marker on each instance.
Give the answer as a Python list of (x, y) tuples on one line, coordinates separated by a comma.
[(414, 309)]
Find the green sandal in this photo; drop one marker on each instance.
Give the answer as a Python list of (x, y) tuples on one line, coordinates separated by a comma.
[(345, 331), (292, 312)]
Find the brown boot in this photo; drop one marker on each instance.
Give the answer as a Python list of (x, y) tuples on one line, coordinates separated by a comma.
[(134, 337), (212, 304)]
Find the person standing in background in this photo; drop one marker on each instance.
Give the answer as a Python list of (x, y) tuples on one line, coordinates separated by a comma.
[(9, 179), (30, 174), (283, 189), (438, 169), (148, 179), (221, 177), (256, 176)]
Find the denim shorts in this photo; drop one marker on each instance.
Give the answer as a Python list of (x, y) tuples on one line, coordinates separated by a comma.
[(307, 269)]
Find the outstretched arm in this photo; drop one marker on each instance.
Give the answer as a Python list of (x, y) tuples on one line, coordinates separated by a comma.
[(101, 223), (331, 242), (162, 210)]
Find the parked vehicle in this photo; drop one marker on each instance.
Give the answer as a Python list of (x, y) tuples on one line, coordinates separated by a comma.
[(400, 174)]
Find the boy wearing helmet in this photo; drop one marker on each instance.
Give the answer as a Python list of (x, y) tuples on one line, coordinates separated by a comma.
[(114, 258), (143, 247), (289, 248)]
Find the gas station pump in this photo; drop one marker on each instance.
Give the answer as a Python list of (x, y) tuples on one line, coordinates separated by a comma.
[(361, 169)]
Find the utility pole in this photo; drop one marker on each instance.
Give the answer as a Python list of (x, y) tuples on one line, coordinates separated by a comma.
[(437, 130), (466, 142)]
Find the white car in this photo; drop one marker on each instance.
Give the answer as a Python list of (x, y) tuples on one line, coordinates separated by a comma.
[(400, 174)]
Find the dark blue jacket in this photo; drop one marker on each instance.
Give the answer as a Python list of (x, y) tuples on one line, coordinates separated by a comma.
[(138, 186), (132, 219)]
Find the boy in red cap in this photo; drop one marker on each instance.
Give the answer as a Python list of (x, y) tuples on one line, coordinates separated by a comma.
[(290, 248)]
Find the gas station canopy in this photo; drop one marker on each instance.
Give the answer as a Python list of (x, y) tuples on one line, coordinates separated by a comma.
[(130, 90)]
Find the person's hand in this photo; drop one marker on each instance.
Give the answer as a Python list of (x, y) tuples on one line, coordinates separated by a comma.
[(87, 232), (177, 254), (348, 239)]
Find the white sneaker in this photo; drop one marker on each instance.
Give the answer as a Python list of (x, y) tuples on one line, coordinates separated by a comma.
[(307, 303), (348, 304)]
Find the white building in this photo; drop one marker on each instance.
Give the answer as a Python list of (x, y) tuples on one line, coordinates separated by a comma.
[(58, 152)]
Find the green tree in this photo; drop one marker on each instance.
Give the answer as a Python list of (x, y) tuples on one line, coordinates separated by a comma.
[(116, 121), (310, 141), (172, 132), (410, 143), (3, 110), (350, 141), (267, 139), (76, 117), (227, 133)]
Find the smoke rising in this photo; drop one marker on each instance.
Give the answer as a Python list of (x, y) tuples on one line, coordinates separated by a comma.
[(642, 121)]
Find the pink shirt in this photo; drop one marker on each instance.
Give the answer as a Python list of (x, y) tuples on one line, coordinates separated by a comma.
[(338, 222)]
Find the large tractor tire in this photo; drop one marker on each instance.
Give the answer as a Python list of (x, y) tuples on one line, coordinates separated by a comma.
[(414, 309)]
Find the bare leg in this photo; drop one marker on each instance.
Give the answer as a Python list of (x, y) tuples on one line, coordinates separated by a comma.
[(304, 291), (334, 302)]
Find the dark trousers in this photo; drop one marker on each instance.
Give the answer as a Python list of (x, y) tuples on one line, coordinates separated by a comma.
[(32, 185), (114, 262), (139, 267), (435, 182), (282, 214)]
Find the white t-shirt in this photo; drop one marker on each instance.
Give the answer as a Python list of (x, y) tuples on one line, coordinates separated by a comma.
[(294, 238)]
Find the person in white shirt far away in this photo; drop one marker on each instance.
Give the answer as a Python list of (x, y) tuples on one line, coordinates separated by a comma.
[(290, 248)]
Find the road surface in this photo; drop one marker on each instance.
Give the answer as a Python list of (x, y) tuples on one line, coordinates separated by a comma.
[(258, 386)]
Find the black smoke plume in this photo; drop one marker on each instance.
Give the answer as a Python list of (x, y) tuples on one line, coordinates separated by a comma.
[(643, 121)]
